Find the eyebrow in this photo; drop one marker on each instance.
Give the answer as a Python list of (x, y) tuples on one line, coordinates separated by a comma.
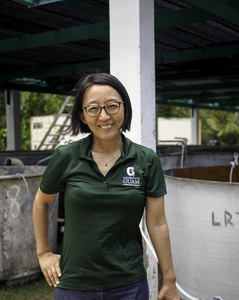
[(94, 102)]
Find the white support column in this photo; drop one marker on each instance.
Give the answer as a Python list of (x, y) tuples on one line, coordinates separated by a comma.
[(194, 126), (13, 117), (132, 62)]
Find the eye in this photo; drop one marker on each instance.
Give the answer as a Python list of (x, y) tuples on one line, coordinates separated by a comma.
[(112, 105), (93, 108)]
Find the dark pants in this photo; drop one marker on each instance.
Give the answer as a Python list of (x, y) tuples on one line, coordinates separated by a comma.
[(135, 291)]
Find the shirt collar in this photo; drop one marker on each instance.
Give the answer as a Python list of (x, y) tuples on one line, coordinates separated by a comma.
[(85, 147), (86, 143)]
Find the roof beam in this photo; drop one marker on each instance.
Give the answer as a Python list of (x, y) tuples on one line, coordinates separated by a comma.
[(57, 89), (55, 37), (197, 87), (18, 62), (196, 74), (12, 32), (68, 45), (88, 7), (211, 107), (34, 3), (196, 54), (223, 102), (75, 3), (180, 17), (185, 16), (160, 58), (180, 38), (56, 70), (202, 96), (219, 9), (84, 49)]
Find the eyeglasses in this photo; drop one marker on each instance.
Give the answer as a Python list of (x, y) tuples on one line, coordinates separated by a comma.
[(95, 110)]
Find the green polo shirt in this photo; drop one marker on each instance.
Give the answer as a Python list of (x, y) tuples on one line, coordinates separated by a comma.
[(102, 244)]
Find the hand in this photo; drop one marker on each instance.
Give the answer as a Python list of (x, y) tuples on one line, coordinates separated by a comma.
[(49, 264), (168, 292)]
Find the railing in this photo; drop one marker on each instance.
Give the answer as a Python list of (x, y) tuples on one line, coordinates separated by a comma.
[(183, 142)]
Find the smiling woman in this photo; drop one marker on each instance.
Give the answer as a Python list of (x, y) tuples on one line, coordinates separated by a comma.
[(105, 126), (108, 181)]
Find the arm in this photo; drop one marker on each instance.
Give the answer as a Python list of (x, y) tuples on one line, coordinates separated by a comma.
[(48, 261), (158, 230)]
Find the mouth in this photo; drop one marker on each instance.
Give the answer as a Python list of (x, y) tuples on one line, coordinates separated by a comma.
[(106, 126)]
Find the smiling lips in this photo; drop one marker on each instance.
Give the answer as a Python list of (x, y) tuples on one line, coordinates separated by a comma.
[(106, 126)]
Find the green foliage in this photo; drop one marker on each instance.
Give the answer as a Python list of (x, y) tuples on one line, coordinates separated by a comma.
[(36, 104), (166, 111), (32, 104), (220, 125), (217, 125)]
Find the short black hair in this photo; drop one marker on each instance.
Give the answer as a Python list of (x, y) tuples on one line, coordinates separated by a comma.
[(76, 124)]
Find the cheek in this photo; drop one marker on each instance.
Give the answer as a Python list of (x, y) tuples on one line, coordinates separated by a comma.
[(82, 117), (121, 118)]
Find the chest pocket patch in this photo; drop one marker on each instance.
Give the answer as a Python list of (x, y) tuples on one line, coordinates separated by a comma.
[(131, 179)]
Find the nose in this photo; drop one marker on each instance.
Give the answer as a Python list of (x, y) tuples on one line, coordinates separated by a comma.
[(104, 114)]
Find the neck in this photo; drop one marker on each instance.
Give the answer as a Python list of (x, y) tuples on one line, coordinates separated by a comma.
[(108, 146)]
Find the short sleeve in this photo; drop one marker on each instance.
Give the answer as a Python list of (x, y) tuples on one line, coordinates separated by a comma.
[(53, 178), (155, 184)]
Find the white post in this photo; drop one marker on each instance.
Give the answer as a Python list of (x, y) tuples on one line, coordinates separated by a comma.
[(132, 62), (194, 126), (13, 117)]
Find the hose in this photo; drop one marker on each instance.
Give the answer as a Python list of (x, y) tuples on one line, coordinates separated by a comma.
[(55, 200), (40, 161), (154, 254), (233, 164)]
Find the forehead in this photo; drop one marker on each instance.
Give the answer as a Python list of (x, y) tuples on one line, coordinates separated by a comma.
[(98, 93)]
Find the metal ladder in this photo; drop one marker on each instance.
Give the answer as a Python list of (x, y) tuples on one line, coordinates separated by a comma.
[(56, 136)]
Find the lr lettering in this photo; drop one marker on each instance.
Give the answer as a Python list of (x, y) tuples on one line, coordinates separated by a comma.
[(227, 219)]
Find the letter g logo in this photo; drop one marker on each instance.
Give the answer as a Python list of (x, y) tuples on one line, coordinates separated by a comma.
[(130, 171)]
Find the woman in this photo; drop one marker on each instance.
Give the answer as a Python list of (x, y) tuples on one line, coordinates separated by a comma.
[(107, 182)]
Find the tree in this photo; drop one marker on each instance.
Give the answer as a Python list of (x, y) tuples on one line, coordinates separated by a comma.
[(36, 104), (32, 104), (166, 111), (220, 125)]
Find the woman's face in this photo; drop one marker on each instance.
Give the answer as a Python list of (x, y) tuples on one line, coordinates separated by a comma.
[(105, 126)]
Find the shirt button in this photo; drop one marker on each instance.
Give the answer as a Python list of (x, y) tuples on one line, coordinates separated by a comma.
[(105, 181)]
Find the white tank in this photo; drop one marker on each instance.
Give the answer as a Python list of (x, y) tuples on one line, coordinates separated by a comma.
[(202, 210), (18, 259)]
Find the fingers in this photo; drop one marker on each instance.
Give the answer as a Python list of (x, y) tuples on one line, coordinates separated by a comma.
[(58, 270), (49, 264), (51, 276), (168, 293)]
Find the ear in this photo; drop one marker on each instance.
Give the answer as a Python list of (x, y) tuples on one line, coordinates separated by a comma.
[(82, 117)]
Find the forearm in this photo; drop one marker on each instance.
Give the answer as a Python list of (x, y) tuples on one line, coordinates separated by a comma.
[(41, 227), (41, 221), (159, 235)]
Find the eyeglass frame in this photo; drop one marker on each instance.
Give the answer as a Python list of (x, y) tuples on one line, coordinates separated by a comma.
[(103, 106)]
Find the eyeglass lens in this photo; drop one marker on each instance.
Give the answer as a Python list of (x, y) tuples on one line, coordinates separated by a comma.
[(111, 108)]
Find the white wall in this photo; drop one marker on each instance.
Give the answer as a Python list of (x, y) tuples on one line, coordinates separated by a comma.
[(169, 128), (39, 127)]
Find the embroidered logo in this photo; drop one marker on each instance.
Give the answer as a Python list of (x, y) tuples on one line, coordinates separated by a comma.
[(130, 171), (131, 180)]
